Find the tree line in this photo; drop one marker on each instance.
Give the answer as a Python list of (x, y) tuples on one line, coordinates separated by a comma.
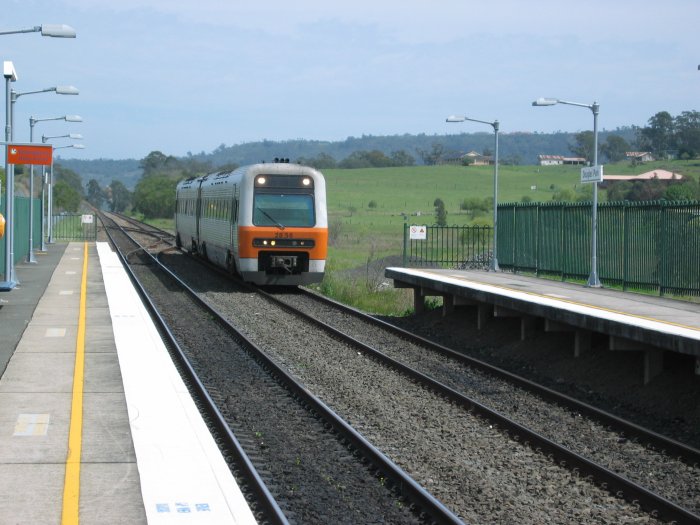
[(664, 135)]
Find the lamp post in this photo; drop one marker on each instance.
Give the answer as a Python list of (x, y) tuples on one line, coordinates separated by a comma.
[(495, 125), (32, 123), (593, 281), (50, 196), (54, 30), (10, 76), (59, 90)]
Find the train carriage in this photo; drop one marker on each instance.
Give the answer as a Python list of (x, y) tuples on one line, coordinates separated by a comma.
[(266, 222)]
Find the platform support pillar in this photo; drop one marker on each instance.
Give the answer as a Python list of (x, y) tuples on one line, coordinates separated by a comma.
[(418, 300), (582, 342), (448, 305), (527, 327), (483, 314), (653, 364)]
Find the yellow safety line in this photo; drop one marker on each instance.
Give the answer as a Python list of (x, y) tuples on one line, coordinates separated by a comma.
[(569, 301), (71, 486)]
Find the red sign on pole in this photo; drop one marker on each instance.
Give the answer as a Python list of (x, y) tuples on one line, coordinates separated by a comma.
[(37, 154)]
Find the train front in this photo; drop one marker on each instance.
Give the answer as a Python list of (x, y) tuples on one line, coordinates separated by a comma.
[(283, 228)]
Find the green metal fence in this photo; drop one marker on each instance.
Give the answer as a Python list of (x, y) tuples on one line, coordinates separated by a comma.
[(647, 246), (74, 227), (642, 246), (21, 228)]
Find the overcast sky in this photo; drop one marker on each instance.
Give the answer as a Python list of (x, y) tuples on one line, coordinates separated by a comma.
[(185, 76)]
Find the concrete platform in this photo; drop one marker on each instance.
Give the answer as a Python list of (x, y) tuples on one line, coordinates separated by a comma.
[(633, 322), (95, 424)]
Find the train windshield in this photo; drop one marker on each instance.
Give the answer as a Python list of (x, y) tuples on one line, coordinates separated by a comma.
[(283, 210)]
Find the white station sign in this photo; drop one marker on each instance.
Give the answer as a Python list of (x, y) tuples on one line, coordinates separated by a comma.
[(592, 174)]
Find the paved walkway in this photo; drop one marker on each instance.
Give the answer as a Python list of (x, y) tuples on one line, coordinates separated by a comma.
[(95, 423)]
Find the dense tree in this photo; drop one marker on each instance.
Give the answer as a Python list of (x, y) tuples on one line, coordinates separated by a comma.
[(68, 176), (120, 197), (659, 135), (583, 145), (618, 190), (686, 190), (156, 163), (687, 128), (614, 148), (322, 161), (65, 197), (434, 156), (440, 212), (647, 190), (366, 159), (154, 196), (95, 195), (401, 158)]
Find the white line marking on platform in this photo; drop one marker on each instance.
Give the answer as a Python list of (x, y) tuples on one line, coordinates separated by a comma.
[(71, 272), (183, 474), (65, 292), (31, 425), (55, 332)]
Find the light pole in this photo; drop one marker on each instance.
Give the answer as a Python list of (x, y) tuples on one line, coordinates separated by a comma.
[(593, 281), (59, 90), (50, 196), (55, 30), (10, 76), (52, 30), (495, 125), (32, 123)]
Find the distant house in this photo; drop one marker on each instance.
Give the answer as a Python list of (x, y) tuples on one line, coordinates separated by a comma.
[(558, 160), (654, 174), (639, 156), (473, 158), (477, 159)]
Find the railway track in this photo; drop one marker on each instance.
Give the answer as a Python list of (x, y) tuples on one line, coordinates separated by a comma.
[(318, 467), (454, 372)]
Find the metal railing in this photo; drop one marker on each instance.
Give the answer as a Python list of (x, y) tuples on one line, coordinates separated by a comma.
[(449, 246), (74, 227), (651, 246)]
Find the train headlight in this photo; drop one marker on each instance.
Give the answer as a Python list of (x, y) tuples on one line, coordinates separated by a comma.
[(262, 181), (306, 181), (272, 243)]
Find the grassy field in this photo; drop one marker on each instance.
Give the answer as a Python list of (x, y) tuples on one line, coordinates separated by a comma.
[(362, 235), (408, 194)]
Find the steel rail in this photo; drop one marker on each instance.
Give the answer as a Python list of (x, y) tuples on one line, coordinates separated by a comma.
[(656, 505), (403, 483), (663, 443), (229, 442)]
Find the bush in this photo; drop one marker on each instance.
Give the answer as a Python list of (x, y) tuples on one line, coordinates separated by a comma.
[(155, 196)]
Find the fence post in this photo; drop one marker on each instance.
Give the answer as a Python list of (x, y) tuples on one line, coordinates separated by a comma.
[(662, 248), (625, 240), (405, 244)]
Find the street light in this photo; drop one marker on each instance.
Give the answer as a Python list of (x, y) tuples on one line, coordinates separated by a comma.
[(50, 197), (495, 125), (8, 70), (32, 123), (593, 281), (59, 90), (54, 30)]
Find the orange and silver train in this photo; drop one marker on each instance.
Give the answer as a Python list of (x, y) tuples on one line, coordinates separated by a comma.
[(265, 222)]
